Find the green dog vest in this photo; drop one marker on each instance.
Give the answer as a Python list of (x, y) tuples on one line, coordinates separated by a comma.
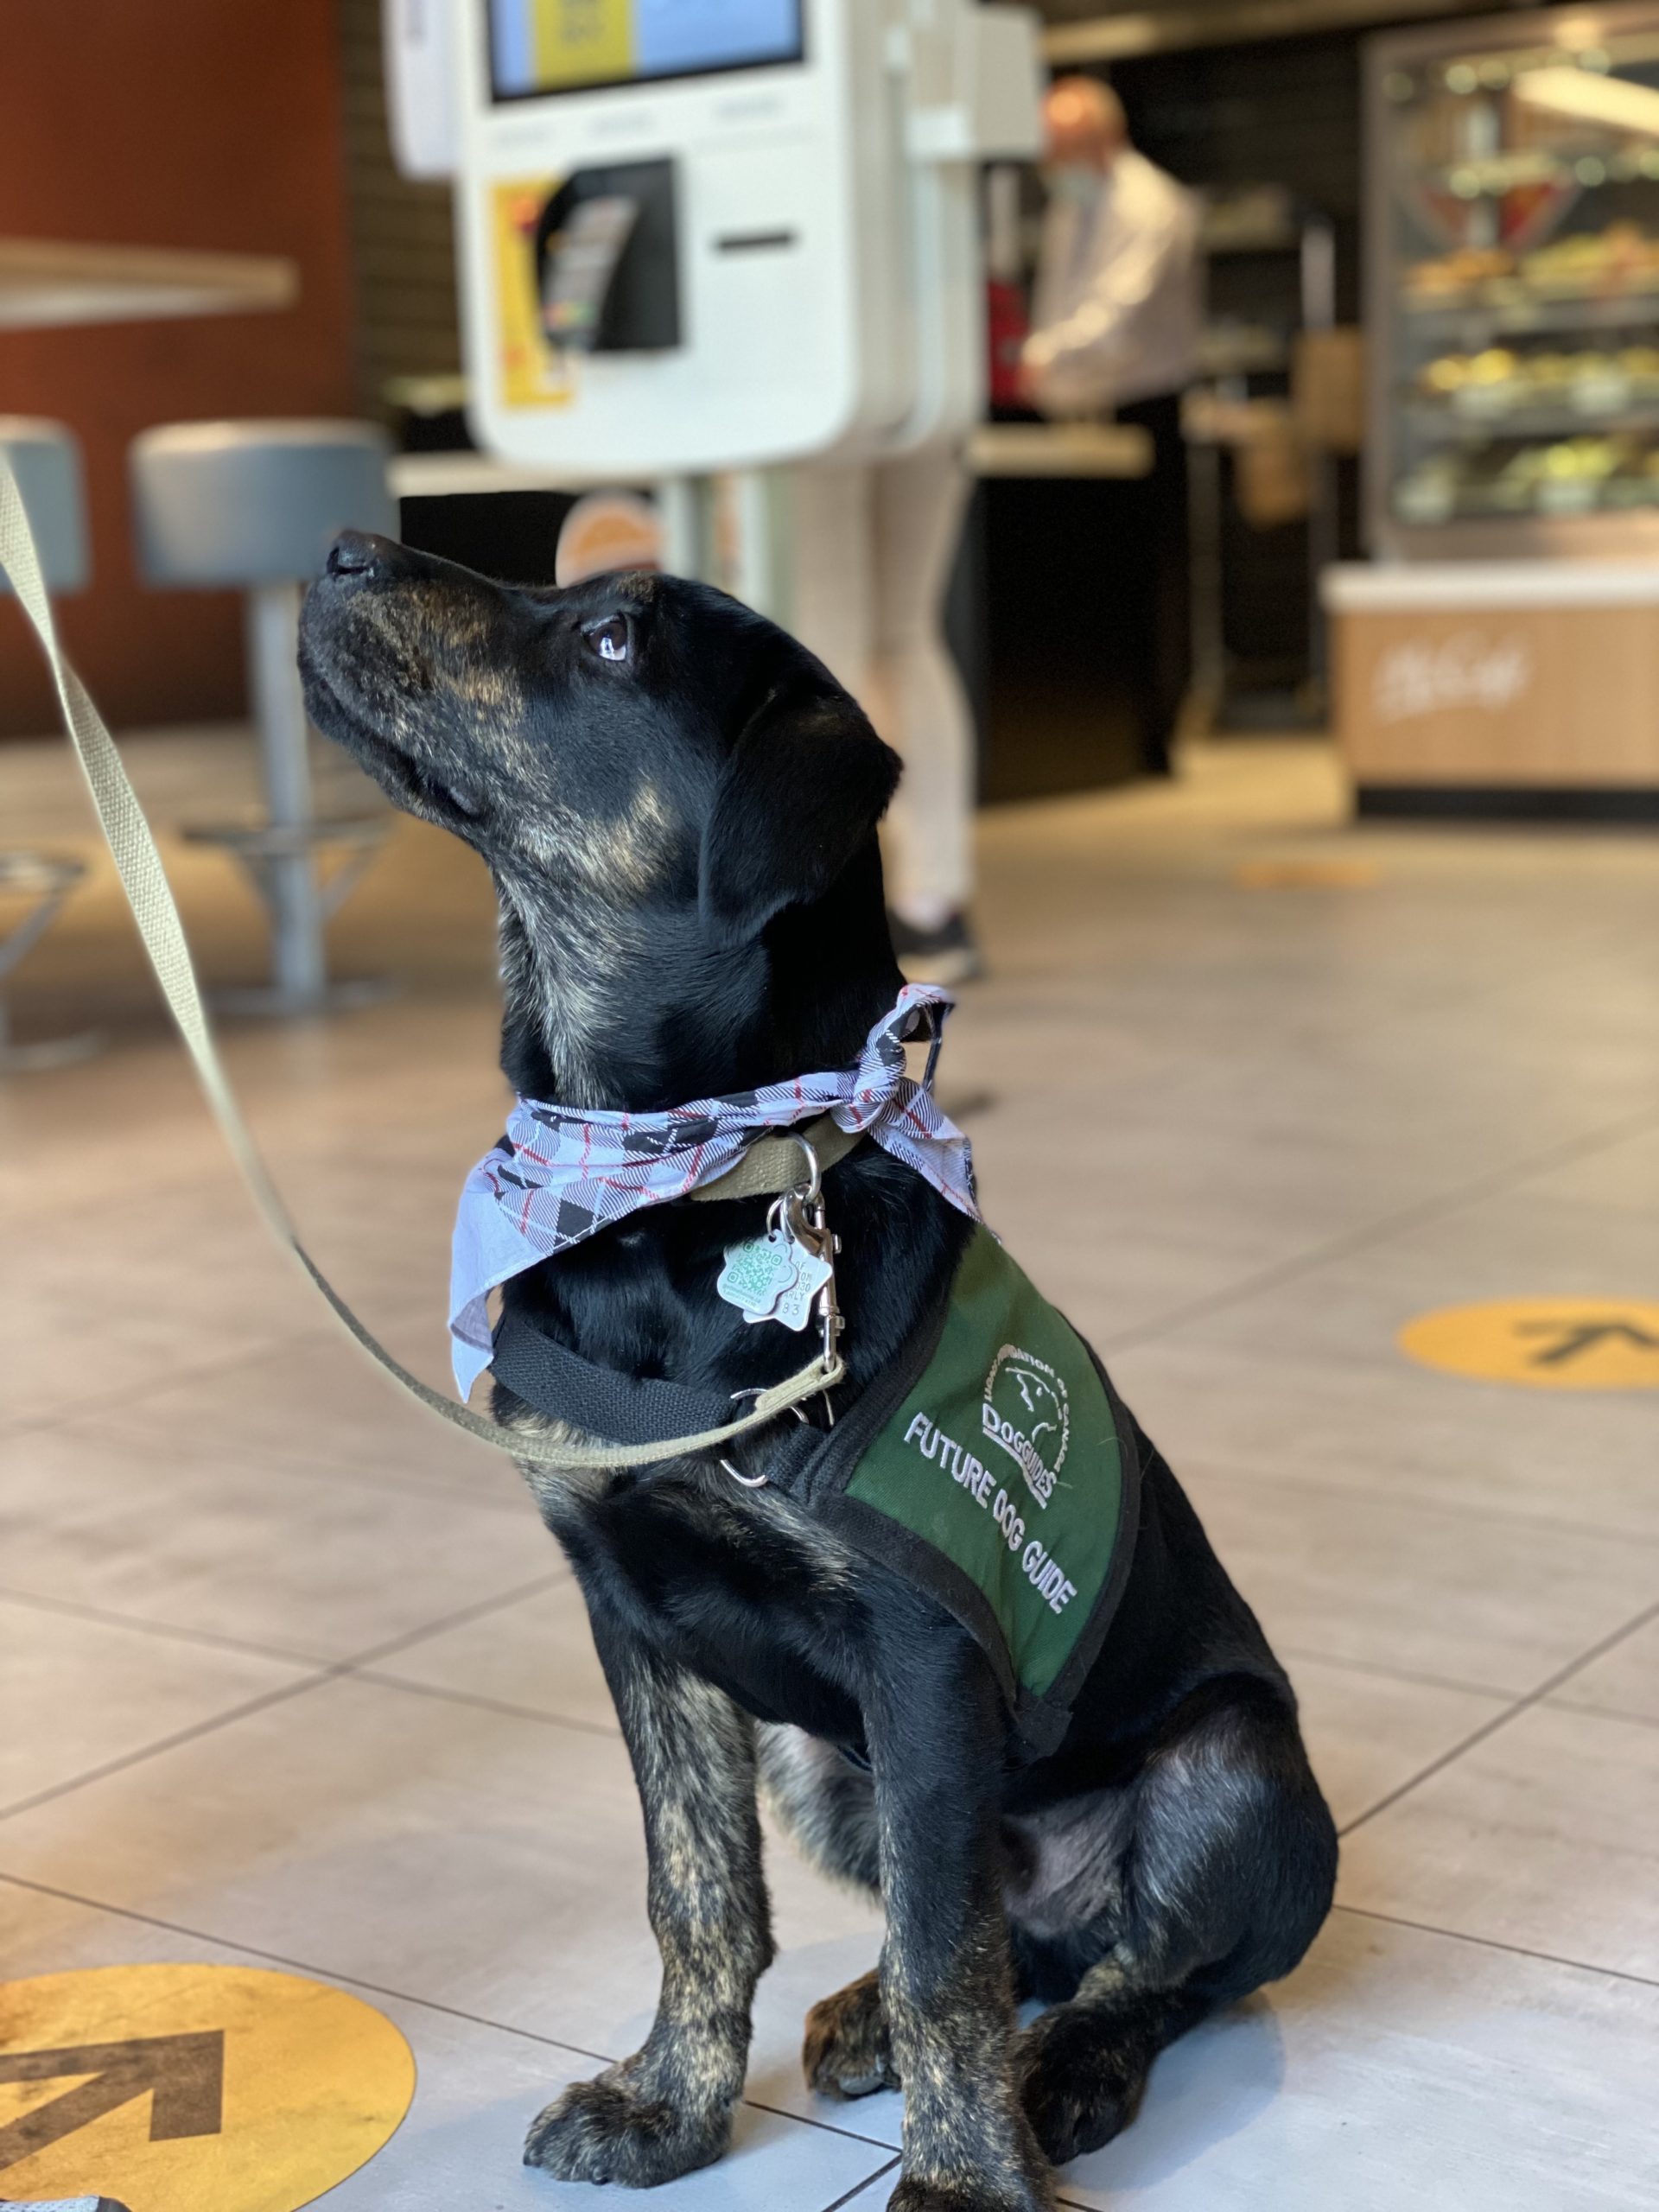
[(997, 1470), (990, 1464)]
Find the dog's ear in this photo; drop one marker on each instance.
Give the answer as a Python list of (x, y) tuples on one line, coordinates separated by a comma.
[(806, 783)]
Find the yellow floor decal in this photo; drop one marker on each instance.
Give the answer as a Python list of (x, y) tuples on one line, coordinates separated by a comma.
[(1307, 876), (194, 2088), (1548, 1344)]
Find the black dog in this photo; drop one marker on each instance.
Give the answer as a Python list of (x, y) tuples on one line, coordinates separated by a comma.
[(678, 806)]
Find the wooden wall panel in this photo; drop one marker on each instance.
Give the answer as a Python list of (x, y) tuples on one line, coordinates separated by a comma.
[(213, 124)]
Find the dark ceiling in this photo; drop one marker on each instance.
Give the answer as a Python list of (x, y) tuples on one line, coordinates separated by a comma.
[(1151, 26)]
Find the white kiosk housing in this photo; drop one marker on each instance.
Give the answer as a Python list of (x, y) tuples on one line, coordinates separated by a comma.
[(702, 235)]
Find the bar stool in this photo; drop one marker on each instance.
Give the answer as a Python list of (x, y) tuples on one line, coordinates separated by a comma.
[(46, 461), (254, 506)]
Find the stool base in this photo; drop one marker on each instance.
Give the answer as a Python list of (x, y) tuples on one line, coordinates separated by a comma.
[(48, 1052), (280, 858), (48, 881), (269, 1002)]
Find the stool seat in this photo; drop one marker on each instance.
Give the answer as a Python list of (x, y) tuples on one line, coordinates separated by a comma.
[(236, 505), (46, 461)]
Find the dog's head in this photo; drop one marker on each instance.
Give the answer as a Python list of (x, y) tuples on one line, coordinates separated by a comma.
[(668, 789)]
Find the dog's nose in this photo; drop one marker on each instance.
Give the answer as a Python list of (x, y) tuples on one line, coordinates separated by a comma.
[(356, 553)]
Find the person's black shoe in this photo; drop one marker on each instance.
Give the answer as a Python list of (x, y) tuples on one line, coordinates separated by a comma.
[(949, 954)]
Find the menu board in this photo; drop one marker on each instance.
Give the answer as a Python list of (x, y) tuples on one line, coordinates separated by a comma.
[(539, 47)]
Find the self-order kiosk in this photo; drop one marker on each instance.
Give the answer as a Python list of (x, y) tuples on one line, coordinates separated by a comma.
[(702, 235)]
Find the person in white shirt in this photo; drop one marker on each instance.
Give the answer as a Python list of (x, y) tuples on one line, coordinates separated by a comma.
[(1116, 318)]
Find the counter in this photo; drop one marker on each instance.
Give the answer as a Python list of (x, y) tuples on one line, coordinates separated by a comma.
[(1503, 689), (45, 285)]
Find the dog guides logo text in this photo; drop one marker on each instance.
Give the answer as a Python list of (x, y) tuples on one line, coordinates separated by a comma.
[(1007, 1380), (1026, 1414)]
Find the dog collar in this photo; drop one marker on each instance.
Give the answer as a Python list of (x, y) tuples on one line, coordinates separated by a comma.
[(560, 1174)]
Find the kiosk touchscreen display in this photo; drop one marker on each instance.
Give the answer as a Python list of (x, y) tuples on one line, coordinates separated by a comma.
[(539, 47)]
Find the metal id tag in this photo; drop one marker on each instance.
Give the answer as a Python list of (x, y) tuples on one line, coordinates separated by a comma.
[(758, 1272), (793, 1308)]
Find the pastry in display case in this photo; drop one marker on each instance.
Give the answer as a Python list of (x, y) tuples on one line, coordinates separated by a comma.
[(1513, 249)]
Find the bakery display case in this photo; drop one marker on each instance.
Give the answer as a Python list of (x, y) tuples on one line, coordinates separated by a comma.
[(1513, 264)]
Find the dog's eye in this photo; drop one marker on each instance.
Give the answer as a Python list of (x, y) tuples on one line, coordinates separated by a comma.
[(608, 639)]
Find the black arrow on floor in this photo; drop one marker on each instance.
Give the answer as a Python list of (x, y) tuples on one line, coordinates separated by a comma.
[(1584, 1337), (183, 2077)]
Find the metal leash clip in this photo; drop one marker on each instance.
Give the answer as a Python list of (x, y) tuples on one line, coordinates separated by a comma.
[(807, 1223)]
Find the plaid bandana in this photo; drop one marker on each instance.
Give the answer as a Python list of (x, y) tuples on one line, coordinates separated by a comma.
[(561, 1173)]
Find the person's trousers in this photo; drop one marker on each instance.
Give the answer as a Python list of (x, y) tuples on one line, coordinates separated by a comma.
[(872, 550), (1160, 612)]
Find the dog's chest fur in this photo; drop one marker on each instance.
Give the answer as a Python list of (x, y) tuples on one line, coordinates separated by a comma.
[(737, 1585)]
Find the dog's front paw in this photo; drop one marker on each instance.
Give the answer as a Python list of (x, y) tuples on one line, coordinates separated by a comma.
[(1076, 2092), (847, 2052), (915, 2195), (613, 2129)]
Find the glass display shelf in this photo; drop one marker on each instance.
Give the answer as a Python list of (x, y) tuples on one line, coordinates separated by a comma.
[(1513, 238)]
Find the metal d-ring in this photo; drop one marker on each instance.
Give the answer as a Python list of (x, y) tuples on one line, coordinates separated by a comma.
[(814, 1188), (749, 1482), (757, 1482)]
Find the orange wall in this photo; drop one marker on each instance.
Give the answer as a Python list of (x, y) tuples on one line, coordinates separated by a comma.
[(184, 123)]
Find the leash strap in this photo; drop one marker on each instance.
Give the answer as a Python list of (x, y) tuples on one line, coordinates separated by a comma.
[(144, 881)]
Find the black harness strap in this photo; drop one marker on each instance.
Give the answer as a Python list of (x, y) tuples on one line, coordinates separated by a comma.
[(599, 1401)]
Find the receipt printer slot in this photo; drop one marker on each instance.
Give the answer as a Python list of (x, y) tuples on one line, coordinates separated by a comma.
[(608, 260)]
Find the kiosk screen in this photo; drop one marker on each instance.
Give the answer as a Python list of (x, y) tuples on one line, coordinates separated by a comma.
[(539, 47)]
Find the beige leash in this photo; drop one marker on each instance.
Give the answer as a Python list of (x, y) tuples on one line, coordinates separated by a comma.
[(144, 881)]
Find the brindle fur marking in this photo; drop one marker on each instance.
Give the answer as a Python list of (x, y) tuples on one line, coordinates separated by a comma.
[(669, 2107), (946, 1985), (683, 840)]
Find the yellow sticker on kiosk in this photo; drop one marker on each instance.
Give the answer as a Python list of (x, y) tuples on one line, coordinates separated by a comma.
[(1545, 1344), (531, 371), (193, 2088)]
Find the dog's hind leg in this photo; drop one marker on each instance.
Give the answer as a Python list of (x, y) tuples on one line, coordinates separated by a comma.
[(826, 1806), (669, 2107), (1083, 2066), (1215, 1872), (848, 2050)]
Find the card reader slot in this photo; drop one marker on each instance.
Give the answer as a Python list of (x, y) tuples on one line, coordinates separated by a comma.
[(608, 260), (757, 241)]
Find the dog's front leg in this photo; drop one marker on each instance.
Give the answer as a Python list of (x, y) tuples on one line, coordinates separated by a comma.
[(669, 2107), (936, 1733)]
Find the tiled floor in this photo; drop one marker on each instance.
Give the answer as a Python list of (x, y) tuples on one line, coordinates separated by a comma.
[(292, 1674)]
